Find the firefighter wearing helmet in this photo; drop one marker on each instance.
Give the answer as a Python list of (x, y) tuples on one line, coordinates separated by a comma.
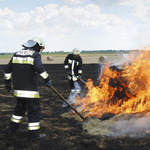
[(73, 66), (22, 68)]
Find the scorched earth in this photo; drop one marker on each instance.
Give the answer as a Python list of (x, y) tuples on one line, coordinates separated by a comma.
[(63, 133)]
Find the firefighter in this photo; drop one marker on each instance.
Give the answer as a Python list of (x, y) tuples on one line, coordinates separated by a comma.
[(21, 73), (73, 66)]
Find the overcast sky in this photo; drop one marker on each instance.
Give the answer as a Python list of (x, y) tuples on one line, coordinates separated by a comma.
[(66, 24)]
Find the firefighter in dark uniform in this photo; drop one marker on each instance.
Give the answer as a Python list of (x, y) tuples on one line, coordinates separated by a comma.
[(73, 66), (21, 73)]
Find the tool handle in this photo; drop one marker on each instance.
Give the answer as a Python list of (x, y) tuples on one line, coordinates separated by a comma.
[(66, 101)]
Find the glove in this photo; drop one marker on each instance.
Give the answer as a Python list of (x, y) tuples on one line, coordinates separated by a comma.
[(68, 72), (79, 76), (74, 78), (8, 87), (49, 83)]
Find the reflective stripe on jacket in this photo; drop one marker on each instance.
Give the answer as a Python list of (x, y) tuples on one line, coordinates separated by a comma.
[(74, 65), (22, 68)]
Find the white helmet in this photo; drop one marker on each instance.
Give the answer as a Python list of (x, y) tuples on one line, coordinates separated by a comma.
[(39, 41), (75, 51), (32, 42)]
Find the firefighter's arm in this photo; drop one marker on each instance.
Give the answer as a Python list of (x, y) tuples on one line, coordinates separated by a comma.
[(8, 76), (66, 66), (39, 68)]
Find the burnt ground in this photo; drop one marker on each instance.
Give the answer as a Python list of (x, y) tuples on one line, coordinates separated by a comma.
[(62, 133)]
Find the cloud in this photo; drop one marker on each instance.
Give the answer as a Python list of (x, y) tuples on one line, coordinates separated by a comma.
[(86, 27), (72, 2), (107, 2), (140, 7)]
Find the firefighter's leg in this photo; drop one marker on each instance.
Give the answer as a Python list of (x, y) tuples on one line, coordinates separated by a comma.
[(17, 115), (72, 87), (34, 111), (77, 87)]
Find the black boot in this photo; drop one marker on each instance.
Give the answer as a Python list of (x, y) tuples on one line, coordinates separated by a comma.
[(34, 135)]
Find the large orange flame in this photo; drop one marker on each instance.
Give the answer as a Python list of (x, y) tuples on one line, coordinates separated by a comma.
[(123, 91)]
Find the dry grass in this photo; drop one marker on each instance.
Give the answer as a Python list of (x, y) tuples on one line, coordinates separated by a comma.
[(87, 58)]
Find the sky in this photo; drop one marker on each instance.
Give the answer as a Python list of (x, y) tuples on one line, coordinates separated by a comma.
[(68, 24)]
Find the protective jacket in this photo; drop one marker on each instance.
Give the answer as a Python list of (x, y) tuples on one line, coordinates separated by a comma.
[(74, 65), (23, 68)]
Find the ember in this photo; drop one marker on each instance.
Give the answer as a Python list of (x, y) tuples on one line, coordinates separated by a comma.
[(120, 91)]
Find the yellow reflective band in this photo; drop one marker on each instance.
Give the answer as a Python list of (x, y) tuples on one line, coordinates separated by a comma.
[(69, 77), (27, 94), (70, 61), (44, 75), (79, 71), (77, 63), (72, 91), (78, 91), (15, 120), (34, 128), (17, 117), (66, 67), (7, 76), (24, 60), (33, 124)]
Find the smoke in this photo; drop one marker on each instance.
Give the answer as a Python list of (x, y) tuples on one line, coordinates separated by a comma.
[(72, 96), (118, 61), (119, 126), (135, 127)]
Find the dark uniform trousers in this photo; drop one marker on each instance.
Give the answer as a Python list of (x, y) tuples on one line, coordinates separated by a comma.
[(72, 85), (34, 111)]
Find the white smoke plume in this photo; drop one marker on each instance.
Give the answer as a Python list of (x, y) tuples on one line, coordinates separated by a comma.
[(135, 127), (72, 96), (119, 126)]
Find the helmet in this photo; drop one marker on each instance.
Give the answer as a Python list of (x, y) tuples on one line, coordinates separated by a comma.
[(39, 41), (76, 51), (32, 42)]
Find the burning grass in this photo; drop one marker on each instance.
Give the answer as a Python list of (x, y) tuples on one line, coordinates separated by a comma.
[(122, 92)]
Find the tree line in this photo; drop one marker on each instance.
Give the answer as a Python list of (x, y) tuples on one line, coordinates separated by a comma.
[(83, 52)]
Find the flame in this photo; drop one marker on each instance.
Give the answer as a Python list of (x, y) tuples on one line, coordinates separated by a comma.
[(148, 131), (120, 91)]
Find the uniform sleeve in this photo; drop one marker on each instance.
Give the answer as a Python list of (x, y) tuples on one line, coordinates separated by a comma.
[(8, 72), (39, 68), (66, 65)]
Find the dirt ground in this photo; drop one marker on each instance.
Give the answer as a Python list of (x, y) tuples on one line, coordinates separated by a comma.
[(62, 133)]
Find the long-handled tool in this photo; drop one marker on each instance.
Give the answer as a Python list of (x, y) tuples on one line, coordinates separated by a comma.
[(66, 101), (79, 78)]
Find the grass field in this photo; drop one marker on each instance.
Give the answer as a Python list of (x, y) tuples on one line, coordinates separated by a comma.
[(86, 58)]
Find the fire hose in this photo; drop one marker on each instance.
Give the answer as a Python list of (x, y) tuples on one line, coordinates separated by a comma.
[(66, 101)]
